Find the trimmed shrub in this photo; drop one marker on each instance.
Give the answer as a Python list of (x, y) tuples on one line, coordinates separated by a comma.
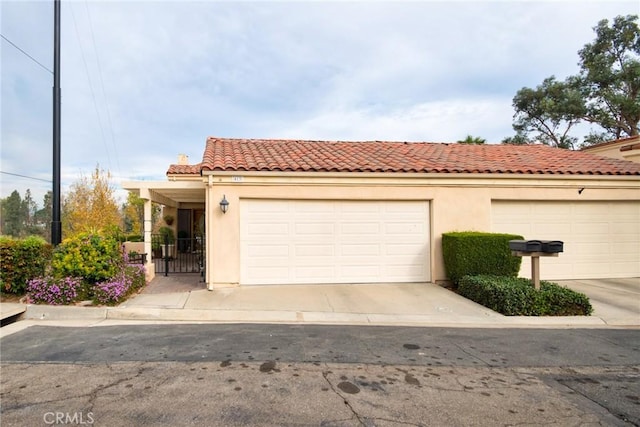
[(514, 296), (473, 253), (91, 256), (52, 291), (20, 261)]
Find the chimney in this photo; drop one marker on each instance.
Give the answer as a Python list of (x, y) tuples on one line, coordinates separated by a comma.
[(183, 159)]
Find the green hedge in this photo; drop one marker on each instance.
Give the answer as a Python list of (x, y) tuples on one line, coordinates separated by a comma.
[(514, 296), (20, 261), (472, 253)]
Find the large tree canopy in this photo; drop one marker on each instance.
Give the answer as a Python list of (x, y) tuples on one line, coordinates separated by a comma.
[(549, 111), (606, 92), (610, 75)]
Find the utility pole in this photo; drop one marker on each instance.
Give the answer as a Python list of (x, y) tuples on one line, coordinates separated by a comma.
[(56, 225)]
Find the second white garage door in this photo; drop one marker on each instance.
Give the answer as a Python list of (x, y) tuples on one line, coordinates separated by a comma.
[(304, 241), (601, 239)]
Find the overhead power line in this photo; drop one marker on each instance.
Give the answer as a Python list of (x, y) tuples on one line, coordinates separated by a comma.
[(104, 94), (25, 53), (93, 95), (25, 176)]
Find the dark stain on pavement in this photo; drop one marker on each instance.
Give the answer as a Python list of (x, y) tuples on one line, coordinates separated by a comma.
[(410, 379), (349, 387), (269, 366), (411, 346)]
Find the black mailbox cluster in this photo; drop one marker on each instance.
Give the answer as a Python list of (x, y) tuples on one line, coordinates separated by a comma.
[(545, 246)]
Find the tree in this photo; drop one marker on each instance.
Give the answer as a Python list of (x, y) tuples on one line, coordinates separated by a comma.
[(472, 140), (133, 214), (29, 208), (610, 75), (606, 93), (518, 139), (12, 215), (90, 205), (549, 111), (43, 216)]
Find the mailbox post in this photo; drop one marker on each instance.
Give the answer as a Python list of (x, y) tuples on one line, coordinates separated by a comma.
[(536, 249)]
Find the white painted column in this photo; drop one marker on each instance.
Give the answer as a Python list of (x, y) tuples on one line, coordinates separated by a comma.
[(208, 227), (147, 228)]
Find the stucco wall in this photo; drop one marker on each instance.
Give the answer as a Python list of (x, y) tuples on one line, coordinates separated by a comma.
[(614, 150), (460, 203)]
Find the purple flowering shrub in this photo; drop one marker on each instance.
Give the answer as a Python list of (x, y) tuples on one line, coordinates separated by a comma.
[(53, 291), (116, 289), (89, 266)]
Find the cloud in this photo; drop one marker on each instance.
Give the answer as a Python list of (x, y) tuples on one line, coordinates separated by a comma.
[(438, 121), (144, 81)]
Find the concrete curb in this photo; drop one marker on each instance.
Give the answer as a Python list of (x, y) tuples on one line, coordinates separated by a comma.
[(156, 314), (51, 312), (8, 310)]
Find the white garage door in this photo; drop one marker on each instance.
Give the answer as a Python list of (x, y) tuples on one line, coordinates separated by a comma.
[(300, 241), (601, 239)]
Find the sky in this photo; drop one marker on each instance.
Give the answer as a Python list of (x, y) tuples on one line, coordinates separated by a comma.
[(144, 81)]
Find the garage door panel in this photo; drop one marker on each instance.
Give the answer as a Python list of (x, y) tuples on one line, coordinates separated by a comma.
[(314, 229), (319, 274), (304, 208), (315, 250), (337, 241), (407, 249), (559, 210), (270, 229), (359, 250), (358, 272), (625, 250), (268, 250), (401, 228), (626, 229), (629, 268), (360, 228), (358, 209), (269, 272), (547, 229), (592, 228), (601, 239)]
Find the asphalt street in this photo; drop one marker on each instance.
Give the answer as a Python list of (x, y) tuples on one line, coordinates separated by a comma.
[(258, 374)]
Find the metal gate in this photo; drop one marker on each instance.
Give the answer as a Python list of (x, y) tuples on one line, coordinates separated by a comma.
[(181, 255)]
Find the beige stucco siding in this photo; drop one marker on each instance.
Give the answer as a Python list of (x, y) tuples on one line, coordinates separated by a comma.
[(626, 149), (460, 203)]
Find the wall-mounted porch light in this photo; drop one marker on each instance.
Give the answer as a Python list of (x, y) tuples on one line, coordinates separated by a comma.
[(224, 204)]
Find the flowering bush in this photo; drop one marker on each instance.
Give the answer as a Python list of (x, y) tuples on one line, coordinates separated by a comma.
[(93, 256), (89, 266), (52, 291), (113, 291)]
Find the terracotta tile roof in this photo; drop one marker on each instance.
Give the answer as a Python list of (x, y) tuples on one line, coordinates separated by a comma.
[(185, 169), (226, 154)]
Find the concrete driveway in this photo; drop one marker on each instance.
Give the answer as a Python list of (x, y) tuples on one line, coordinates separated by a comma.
[(616, 301)]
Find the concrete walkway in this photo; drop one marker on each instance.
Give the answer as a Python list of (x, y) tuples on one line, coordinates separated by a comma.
[(616, 303)]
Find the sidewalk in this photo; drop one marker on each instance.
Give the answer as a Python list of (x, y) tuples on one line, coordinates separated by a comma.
[(185, 299)]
